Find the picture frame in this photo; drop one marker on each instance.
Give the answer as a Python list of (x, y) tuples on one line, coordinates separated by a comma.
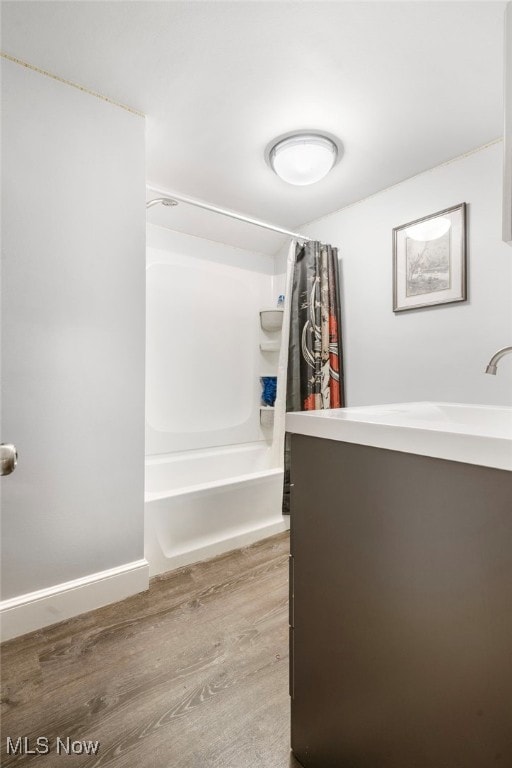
[(429, 260)]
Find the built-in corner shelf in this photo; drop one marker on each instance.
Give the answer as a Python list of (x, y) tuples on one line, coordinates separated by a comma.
[(270, 345), (267, 415), (271, 319)]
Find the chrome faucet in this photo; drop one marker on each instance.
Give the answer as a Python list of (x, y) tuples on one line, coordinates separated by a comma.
[(493, 362)]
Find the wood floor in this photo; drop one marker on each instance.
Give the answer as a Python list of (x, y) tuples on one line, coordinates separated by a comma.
[(192, 674)]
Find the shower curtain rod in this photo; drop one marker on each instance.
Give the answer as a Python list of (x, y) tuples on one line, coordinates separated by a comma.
[(225, 212)]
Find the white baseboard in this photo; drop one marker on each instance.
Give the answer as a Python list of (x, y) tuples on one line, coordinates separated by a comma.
[(35, 610)]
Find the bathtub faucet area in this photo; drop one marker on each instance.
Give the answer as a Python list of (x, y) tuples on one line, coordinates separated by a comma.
[(492, 367)]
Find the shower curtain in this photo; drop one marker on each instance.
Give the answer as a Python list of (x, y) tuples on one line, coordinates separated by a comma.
[(314, 364)]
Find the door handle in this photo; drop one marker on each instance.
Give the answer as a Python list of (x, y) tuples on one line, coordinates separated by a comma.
[(8, 458)]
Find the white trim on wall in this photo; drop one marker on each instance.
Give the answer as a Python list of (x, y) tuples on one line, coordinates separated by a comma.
[(35, 610), (82, 88)]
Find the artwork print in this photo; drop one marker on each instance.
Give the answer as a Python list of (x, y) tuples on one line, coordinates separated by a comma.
[(428, 265), (429, 260)]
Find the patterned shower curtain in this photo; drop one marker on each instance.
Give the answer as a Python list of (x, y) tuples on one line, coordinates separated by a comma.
[(315, 364)]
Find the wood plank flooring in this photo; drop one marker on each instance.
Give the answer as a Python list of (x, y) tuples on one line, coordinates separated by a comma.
[(191, 674)]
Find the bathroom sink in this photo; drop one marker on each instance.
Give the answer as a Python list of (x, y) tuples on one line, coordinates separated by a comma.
[(474, 434)]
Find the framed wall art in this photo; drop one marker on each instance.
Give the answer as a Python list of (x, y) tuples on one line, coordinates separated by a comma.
[(429, 260)]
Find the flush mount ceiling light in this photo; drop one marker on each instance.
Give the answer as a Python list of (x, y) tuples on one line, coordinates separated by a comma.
[(303, 158)]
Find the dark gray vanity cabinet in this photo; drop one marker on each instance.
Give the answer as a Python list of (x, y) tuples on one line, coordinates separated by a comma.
[(401, 609)]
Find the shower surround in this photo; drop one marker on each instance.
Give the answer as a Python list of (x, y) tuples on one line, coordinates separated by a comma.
[(212, 480)]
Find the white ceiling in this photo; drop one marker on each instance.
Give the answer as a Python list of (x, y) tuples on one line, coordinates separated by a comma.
[(404, 85)]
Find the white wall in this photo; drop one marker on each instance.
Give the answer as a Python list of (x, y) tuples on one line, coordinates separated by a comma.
[(73, 219), (438, 353), (203, 358)]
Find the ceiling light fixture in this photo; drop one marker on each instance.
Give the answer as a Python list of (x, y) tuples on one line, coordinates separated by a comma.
[(303, 158)]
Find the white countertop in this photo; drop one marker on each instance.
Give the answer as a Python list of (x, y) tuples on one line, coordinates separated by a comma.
[(473, 434)]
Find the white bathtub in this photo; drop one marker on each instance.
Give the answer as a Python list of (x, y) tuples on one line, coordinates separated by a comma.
[(201, 503)]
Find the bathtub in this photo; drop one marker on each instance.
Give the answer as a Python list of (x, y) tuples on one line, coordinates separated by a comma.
[(201, 503)]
